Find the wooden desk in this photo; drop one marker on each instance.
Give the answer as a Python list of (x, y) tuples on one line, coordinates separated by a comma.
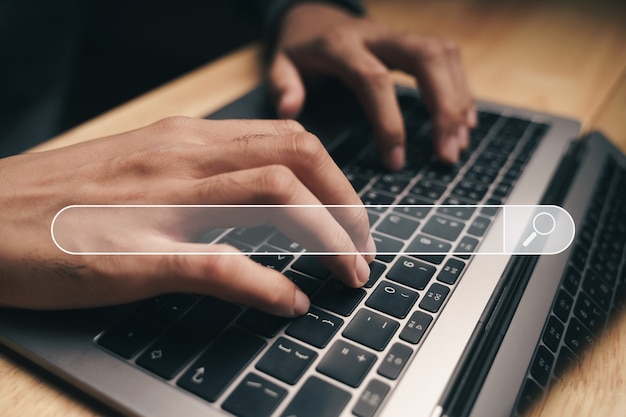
[(562, 56)]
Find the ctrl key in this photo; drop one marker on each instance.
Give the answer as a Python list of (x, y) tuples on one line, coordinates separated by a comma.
[(317, 398), (370, 399), (254, 397)]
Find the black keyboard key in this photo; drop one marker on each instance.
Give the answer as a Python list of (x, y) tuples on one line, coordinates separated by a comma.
[(252, 236), (598, 290), (286, 360), (422, 246), (492, 207), (129, 336), (472, 191), (479, 226), (276, 262), (371, 329), (542, 365), (434, 297), (371, 398), (347, 363), (443, 227), (553, 333), (311, 265), (285, 243), (358, 181), (241, 247), (398, 226), (386, 247), (451, 271), (577, 337), (391, 184), (395, 361), (502, 190), (317, 398), (376, 270), (455, 207), (171, 351), (174, 308), (151, 305), (411, 272), (529, 395), (216, 368), (428, 190), (315, 327), (571, 280), (589, 313), (565, 361), (413, 206), (563, 305), (392, 299), (254, 397), (377, 199), (338, 298), (441, 172), (262, 323), (416, 327), (466, 247), (307, 284)]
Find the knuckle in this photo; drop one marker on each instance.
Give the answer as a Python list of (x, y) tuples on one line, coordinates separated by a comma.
[(276, 183), (173, 123), (287, 126), (374, 75), (431, 49), (305, 148)]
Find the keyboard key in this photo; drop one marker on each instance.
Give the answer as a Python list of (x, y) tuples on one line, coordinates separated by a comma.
[(589, 313), (416, 327), (285, 243), (577, 337), (394, 362), (479, 226), (216, 368), (472, 191), (451, 271), (598, 290), (286, 360), (376, 270), (254, 397), (391, 184), (413, 206), (467, 245), (371, 398), (428, 190), (311, 265), (262, 323), (528, 397), (565, 361), (542, 365), (371, 329), (173, 309), (454, 207), (422, 246), (317, 398), (434, 297), (338, 298), (411, 272), (315, 327), (307, 284), (358, 181), (129, 336), (563, 305), (398, 226), (171, 351), (386, 247), (392, 299), (276, 262), (148, 307), (444, 228), (346, 363), (553, 333), (252, 236), (376, 198)]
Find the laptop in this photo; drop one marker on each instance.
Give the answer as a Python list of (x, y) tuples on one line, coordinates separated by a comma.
[(440, 329)]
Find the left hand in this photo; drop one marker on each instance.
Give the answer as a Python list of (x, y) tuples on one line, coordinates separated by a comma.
[(320, 39)]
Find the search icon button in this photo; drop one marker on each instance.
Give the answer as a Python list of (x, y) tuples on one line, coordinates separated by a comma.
[(543, 225)]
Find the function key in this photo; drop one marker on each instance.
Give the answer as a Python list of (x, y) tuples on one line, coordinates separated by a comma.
[(317, 398), (315, 327), (392, 299), (286, 360), (371, 329), (254, 397), (346, 363), (451, 271), (411, 272), (371, 398)]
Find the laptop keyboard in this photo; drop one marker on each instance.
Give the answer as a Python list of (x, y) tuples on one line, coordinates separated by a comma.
[(591, 289), (347, 353)]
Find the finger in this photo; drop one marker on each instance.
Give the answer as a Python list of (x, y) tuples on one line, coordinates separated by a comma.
[(286, 87), (429, 61), (307, 158), (231, 277), (275, 184), (461, 81)]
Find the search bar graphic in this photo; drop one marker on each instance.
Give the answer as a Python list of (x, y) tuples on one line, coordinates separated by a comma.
[(397, 229)]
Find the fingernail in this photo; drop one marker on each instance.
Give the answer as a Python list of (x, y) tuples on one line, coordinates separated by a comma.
[(362, 270), (394, 159), (370, 249), (463, 137), (451, 150), (472, 118), (301, 303)]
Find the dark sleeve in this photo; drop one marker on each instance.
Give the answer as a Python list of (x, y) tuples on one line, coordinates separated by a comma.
[(271, 11)]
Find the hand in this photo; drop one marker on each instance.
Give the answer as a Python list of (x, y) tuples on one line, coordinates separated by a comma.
[(177, 161), (318, 39)]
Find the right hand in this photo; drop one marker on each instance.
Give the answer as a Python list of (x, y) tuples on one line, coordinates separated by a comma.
[(177, 161)]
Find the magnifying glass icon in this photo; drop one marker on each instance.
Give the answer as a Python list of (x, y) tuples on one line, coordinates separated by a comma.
[(543, 224)]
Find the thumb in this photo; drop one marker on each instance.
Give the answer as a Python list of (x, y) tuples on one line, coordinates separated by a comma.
[(286, 86)]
